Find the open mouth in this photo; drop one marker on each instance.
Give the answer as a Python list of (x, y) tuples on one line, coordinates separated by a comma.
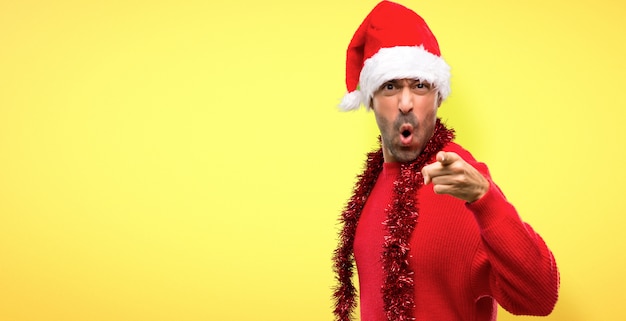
[(406, 134)]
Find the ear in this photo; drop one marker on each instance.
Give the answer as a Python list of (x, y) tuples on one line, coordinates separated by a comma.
[(439, 100)]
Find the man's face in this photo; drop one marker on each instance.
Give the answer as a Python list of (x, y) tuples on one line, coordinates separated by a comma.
[(406, 112)]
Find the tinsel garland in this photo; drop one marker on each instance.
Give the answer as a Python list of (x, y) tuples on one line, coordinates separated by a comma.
[(398, 286)]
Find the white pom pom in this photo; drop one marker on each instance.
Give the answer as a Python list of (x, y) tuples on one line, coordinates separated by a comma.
[(351, 101)]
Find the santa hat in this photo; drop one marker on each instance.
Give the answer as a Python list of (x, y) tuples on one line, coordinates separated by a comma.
[(393, 42)]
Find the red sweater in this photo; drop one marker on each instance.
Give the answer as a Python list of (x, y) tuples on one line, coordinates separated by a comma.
[(465, 256)]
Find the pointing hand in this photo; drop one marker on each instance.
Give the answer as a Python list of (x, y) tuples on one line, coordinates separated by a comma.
[(452, 175)]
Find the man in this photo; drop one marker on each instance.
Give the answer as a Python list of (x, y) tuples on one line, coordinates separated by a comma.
[(432, 235)]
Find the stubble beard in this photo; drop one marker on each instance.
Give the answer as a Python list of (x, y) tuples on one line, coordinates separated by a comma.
[(391, 139)]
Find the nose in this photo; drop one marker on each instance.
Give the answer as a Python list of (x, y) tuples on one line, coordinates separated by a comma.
[(405, 103)]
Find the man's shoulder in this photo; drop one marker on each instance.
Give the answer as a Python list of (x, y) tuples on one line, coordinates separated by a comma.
[(458, 149)]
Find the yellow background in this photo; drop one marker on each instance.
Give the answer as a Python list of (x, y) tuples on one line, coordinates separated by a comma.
[(184, 160)]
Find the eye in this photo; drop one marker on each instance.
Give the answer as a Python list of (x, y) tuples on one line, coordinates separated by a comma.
[(388, 89), (388, 86), (422, 87)]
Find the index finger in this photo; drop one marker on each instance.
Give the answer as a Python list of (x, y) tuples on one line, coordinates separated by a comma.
[(447, 158)]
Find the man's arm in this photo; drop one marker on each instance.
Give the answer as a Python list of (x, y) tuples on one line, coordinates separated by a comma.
[(523, 275)]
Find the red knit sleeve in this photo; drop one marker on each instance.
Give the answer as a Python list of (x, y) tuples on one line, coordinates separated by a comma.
[(523, 276)]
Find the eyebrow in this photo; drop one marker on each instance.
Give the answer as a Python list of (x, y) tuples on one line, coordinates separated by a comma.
[(394, 82), (411, 81)]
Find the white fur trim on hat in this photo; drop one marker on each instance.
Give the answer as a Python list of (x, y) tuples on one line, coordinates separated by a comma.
[(401, 62), (351, 101)]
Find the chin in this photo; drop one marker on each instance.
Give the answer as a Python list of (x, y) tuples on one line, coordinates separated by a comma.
[(406, 156), (409, 153)]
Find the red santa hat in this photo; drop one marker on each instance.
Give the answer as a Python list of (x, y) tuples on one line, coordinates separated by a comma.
[(393, 42)]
